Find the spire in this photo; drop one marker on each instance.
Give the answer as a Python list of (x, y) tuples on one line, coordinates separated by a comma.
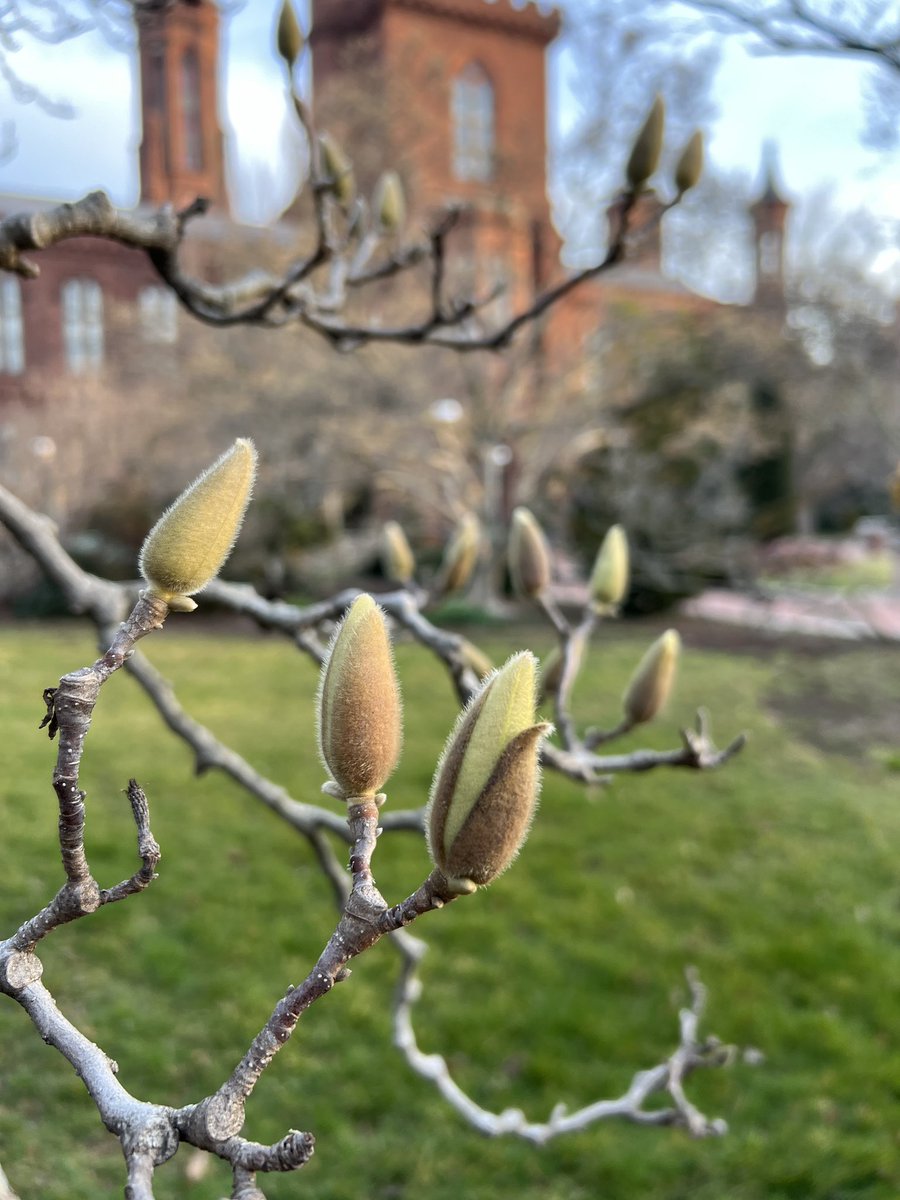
[(769, 214), (181, 149), (770, 196)]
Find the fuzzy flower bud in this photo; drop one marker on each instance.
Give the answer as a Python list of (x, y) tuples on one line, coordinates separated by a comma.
[(389, 203), (529, 555), (609, 578), (647, 148), (690, 164), (651, 683), (359, 723), (461, 555), (485, 788), (188, 545), (397, 558), (338, 170), (289, 35)]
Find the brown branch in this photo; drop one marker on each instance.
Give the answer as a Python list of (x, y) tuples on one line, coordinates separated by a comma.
[(148, 850), (261, 298), (72, 708)]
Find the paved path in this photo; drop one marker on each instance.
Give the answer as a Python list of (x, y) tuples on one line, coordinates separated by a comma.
[(854, 617)]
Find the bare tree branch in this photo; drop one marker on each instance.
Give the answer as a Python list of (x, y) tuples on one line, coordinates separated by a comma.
[(668, 1076), (792, 26), (261, 298), (150, 1133)]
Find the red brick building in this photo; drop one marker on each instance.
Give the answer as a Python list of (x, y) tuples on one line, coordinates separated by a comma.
[(62, 321), (449, 92), (456, 93)]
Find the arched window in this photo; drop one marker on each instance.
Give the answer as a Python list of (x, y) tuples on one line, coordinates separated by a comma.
[(473, 124), (12, 334), (82, 316), (190, 108)]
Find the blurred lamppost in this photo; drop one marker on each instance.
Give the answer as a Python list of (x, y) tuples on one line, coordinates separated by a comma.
[(44, 451)]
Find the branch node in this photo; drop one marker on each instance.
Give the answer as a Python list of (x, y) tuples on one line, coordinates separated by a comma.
[(18, 969)]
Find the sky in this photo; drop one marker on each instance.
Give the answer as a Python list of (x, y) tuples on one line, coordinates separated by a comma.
[(810, 108)]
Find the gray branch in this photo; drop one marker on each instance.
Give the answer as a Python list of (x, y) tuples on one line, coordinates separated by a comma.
[(263, 298), (667, 1077)]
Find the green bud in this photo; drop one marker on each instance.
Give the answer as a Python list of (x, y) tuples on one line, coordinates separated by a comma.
[(647, 148), (389, 203), (359, 720), (486, 785), (609, 577), (529, 555), (461, 555), (651, 683), (397, 558), (188, 545), (690, 164), (289, 36), (338, 170)]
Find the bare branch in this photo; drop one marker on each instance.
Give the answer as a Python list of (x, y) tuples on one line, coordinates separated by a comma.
[(668, 1076), (6, 1191), (148, 850), (261, 298), (795, 28)]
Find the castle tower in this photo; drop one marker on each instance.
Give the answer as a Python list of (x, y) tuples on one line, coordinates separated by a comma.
[(181, 150), (454, 99), (769, 214)]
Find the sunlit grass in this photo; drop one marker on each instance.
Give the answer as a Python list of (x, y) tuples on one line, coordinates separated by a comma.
[(776, 877)]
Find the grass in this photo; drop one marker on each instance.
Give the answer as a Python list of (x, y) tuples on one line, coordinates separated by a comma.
[(871, 574), (776, 877)]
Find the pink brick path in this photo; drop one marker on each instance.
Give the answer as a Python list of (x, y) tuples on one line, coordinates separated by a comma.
[(873, 615)]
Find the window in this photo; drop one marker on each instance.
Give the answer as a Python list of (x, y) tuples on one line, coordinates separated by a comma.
[(190, 107), (473, 124), (82, 317), (158, 311), (156, 79), (12, 339)]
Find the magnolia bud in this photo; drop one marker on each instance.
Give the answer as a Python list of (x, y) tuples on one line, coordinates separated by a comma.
[(651, 683), (485, 788), (529, 555), (187, 546), (609, 577), (647, 147), (690, 165), (397, 558), (461, 555), (360, 729), (338, 170), (289, 36), (389, 203)]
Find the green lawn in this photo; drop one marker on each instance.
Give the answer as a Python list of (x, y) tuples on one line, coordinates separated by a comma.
[(776, 877)]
